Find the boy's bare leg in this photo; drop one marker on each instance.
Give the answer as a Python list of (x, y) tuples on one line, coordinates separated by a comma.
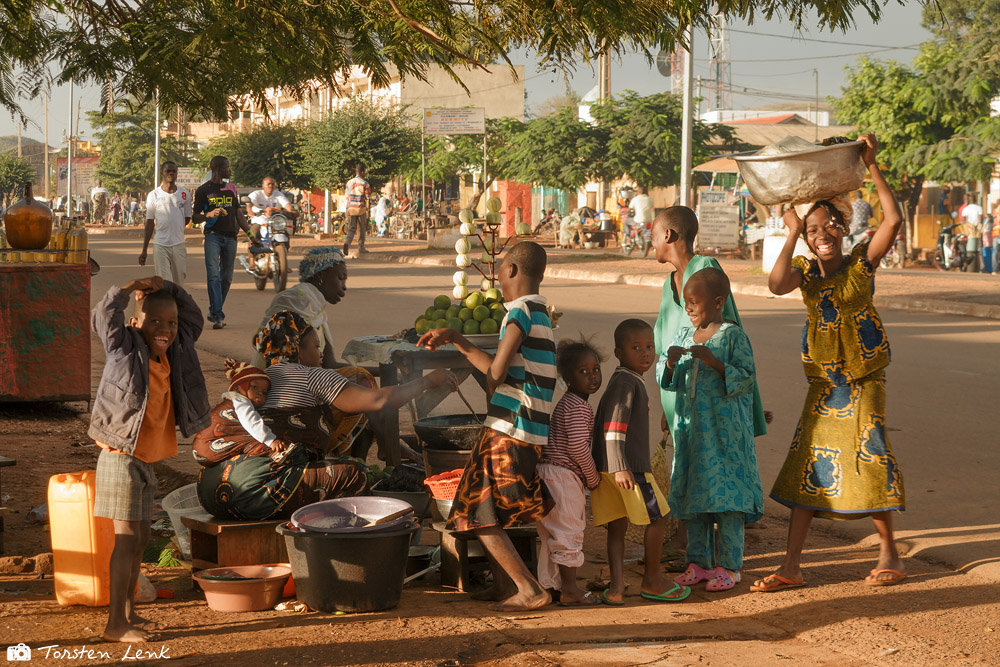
[(653, 580), (125, 561), (616, 558), (569, 592), (530, 594), (130, 613)]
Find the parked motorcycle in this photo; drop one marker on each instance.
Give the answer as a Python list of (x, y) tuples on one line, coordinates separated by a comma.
[(951, 252), (894, 258), (270, 258), (635, 236)]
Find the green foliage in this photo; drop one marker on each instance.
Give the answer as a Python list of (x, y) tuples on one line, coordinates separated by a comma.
[(14, 173), (127, 139), (361, 130), (558, 150), (198, 53), (644, 138), (266, 150)]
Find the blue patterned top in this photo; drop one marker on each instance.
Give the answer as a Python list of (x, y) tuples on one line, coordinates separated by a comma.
[(715, 462)]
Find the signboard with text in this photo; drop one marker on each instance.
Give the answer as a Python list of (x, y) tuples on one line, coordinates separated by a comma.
[(455, 121), (718, 220), (189, 178), (84, 175)]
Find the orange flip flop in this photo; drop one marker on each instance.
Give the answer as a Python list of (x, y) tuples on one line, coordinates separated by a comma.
[(775, 582), (873, 580)]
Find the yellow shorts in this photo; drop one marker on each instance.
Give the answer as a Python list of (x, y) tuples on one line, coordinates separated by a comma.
[(642, 504)]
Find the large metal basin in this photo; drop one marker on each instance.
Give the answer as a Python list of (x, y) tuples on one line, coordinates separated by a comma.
[(806, 176), (452, 432)]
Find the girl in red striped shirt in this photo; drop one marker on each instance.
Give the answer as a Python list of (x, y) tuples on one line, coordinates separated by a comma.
[(566, 467)]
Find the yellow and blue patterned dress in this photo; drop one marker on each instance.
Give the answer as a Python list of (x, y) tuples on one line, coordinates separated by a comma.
[(840, 462)]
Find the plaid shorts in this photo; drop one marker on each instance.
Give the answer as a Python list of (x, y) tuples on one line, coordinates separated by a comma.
[(125, 487)]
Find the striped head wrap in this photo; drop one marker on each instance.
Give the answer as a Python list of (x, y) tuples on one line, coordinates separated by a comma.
[(319, 259)]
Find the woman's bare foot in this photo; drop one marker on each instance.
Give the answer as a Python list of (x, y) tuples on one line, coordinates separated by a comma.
[(494, 593), (125, 633), (137, 621), (522, 602)]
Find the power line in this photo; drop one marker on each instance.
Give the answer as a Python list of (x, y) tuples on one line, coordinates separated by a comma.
[(785, 60), (914, 47)]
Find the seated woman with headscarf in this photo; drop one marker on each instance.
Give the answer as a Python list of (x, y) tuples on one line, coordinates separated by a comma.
[(322, 282), (250, 484)]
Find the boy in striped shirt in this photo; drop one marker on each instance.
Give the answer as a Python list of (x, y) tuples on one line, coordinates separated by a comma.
[(628, 491), (500, 487)]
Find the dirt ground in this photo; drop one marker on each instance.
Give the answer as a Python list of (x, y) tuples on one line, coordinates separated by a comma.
[(937, 617)]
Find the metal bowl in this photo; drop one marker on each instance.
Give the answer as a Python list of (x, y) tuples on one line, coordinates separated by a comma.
[(805, 176), (451, 432)]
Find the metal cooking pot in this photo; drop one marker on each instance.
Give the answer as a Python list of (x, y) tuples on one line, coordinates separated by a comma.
[(450, 432), (804, 176)]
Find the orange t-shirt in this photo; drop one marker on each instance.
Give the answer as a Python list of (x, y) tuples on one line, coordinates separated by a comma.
[(158, 431)]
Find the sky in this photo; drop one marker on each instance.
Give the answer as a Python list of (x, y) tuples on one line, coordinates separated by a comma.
[(770, 57)]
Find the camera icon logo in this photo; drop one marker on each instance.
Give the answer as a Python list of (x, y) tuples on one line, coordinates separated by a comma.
[(19, 653)]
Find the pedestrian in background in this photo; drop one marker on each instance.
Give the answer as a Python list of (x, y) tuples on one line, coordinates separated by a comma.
[(861, 214), (358, 191), (988, 227), (996, 237), (168, 210)]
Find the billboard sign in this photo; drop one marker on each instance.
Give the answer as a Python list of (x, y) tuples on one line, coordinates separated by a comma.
[(718, 220), (84, 175), (470, 120)]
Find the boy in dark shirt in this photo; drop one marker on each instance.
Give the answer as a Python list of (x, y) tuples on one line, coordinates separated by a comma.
[(627, 491)]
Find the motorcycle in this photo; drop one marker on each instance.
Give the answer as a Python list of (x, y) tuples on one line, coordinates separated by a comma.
[(270, 258), (951, 252), (635, 236)]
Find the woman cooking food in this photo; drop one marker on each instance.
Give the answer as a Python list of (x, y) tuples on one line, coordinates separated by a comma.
[(251, 486), (840, 464)]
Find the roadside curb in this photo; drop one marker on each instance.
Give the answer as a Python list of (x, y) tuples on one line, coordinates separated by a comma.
[(900, 303)]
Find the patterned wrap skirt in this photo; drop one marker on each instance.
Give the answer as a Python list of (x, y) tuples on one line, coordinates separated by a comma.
[(840, 463), (500, 485)]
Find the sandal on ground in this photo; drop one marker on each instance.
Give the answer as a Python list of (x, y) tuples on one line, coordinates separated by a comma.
[(722, 580), (775, 582), (873, 580), (589, 600), (665, 595), (694, 574), (614, 603)]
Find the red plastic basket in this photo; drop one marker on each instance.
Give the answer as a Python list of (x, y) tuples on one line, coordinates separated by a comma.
[(445, 485)]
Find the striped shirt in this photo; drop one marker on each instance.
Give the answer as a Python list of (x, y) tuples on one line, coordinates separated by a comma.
[(522, 405), (569, 439), (357, 191), (621, 431), (298, 386)]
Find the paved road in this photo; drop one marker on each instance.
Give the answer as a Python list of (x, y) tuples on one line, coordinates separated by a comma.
[(943, 390)]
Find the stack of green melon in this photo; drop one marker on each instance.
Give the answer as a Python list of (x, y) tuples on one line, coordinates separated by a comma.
[(477, 313)]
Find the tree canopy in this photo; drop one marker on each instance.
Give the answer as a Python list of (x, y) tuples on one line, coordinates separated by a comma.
[(127, 137), (14, 173), (360, 131), (199, 53), (265, 150)]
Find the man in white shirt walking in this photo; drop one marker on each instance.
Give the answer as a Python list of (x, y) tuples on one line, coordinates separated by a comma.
[(168, 211)]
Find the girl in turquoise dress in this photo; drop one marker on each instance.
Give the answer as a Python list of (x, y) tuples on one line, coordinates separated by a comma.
[(840, 464), (710, 370)]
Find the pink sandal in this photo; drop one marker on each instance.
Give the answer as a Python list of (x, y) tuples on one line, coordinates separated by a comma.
[(693, 574), (722, 580)]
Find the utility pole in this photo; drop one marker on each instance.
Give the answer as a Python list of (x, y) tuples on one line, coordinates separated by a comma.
[(156, 144), (69, 156), (19, 153), (603, 94), (45, 158), (816, 117), (688, 126)]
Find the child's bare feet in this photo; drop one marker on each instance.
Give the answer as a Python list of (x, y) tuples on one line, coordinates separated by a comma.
[(577, 597), (125, 633), (524, 602)]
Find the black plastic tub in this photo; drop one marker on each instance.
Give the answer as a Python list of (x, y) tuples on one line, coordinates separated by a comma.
[(449, 432), (345, 572)]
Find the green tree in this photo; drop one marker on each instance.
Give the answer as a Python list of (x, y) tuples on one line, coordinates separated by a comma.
[(360, 131), (127, 138), (266, 150), (644, 138), (14, 173), (558, 150), (198, 53)]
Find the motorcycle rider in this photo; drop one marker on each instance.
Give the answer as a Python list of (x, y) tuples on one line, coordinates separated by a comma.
[(265, 202)]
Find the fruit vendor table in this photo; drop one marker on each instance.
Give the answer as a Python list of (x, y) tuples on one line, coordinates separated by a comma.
[(400, 362), (44, 332)]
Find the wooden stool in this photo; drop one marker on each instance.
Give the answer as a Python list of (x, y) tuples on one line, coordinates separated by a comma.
[(218, 543), (4, 463), (456, 565)]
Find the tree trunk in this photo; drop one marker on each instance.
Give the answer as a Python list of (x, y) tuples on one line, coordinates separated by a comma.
[(478, 194)]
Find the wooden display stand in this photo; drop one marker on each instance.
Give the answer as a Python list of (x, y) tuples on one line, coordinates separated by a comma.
[(44, 332), (217, 543)]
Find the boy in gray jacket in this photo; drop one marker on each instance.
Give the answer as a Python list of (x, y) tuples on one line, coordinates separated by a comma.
[(152, 383)]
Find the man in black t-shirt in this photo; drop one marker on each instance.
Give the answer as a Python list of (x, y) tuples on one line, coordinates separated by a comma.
[(216, 203)]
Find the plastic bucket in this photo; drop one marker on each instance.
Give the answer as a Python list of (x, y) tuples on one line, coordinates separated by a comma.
[(352, 572), (183, 502)]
